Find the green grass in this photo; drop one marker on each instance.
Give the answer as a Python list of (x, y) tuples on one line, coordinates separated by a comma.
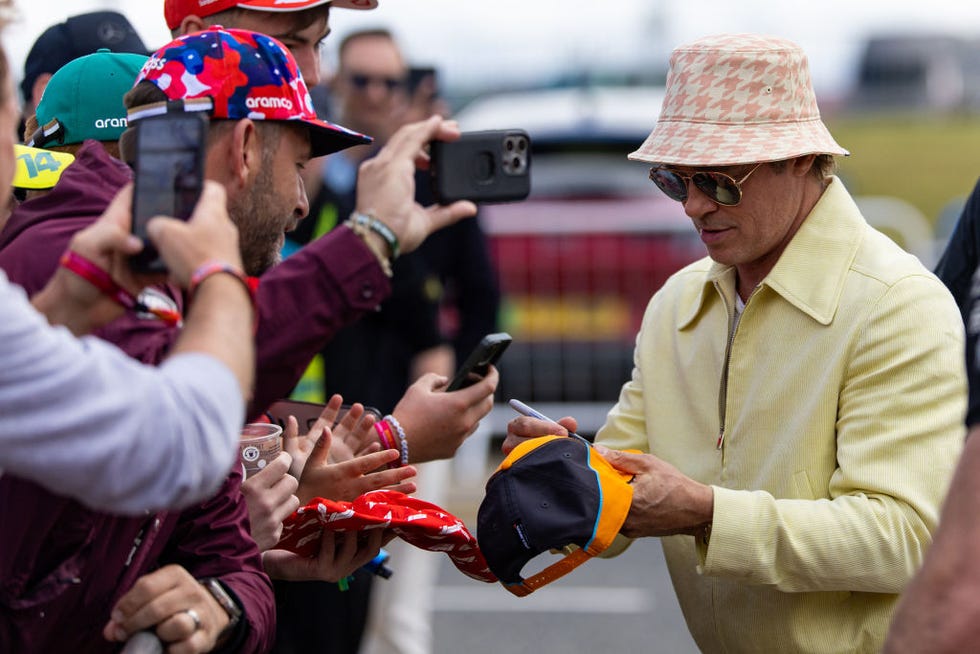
[(927, 161)]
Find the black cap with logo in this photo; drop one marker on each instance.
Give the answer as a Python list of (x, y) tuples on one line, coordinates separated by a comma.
[(76, 37)]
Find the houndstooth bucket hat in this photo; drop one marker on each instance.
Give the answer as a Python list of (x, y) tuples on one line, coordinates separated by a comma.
[(736, 99)]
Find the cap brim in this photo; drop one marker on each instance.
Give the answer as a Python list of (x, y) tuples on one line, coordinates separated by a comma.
[(684, 143), (327, 138), (355, 4), (44, 169), (299, 5)]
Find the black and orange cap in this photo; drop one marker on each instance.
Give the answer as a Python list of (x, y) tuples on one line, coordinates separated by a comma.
[(550, 493)]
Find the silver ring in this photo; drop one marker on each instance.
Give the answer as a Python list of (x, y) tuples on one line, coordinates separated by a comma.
[(194, 616)]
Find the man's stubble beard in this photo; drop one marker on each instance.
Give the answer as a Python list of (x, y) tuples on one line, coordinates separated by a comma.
[(255, 215)]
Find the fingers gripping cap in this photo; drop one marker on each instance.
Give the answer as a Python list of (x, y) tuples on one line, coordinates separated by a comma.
[(176, 11), (245, 75), (549, 493)]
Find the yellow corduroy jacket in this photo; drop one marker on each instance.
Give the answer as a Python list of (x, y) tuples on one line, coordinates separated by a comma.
[(842, 415)]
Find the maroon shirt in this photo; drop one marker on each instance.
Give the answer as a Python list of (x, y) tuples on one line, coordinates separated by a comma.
[(62, 566)]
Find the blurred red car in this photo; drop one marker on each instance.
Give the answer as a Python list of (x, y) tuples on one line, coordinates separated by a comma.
[(579, 260)]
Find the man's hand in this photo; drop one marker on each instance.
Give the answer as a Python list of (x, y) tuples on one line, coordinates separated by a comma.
[(161, 601), (524, 428), (386, 184), (436, 422), (354, 435), (70, 300), (665, 502), (269, 495), (297, 446), (340, 555), (209, 235), (347, 480)]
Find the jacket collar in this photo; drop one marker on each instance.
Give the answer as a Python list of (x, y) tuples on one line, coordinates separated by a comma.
[(811, 272)]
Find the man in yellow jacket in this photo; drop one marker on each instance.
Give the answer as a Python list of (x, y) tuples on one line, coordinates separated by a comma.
[(800, 392)]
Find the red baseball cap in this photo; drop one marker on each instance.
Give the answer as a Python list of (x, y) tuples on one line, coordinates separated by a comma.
[(423, 524), (177, 10)]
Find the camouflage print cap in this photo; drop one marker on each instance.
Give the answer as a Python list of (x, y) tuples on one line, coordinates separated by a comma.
[(244, 74)]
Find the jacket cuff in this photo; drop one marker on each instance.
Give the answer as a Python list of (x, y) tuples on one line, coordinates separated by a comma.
[(734, 533)]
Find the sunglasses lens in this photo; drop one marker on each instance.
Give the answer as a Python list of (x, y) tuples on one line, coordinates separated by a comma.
[(672, 184), (718, 186), (361, 82)]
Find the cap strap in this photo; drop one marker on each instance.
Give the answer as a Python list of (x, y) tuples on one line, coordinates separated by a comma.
[(46, 133), (169, 106), (549, 574)]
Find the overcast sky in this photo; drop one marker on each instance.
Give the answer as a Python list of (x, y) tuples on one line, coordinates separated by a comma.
[(493, 40)]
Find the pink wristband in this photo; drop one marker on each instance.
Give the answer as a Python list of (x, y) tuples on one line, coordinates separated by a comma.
[(385, 435), (209, 268)]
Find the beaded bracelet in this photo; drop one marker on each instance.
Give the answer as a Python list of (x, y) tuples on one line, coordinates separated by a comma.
[(209, 268), (402, 439)]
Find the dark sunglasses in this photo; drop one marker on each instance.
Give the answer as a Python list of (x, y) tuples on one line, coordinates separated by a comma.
[(720, 187), (361, 82)]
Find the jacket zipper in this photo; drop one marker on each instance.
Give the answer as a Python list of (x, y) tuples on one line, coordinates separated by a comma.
[(723, 391), (144, 537)]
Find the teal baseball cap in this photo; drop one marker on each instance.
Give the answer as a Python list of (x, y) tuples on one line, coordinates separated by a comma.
[(84, 99)]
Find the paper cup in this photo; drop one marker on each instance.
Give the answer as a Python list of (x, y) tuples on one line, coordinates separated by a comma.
[(261, 443)]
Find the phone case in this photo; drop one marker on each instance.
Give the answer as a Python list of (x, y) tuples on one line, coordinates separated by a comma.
[(489, 166), (477, 363), (169, 175)]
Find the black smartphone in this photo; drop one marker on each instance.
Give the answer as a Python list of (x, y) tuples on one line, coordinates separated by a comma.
[(488, 166), (477, 363), (306, 413), (169, 175)]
